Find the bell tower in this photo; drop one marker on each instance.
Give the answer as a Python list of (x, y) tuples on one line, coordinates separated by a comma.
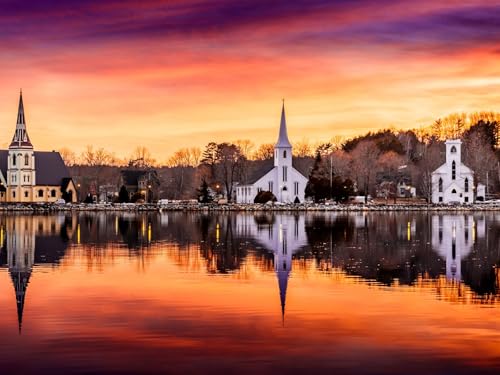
[(283, 160), (21, 161)]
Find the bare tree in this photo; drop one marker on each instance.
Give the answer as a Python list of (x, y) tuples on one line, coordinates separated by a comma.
[(68, 156), (246, 146), (302, 148), (365, 157), (264, 152), (141, 157)]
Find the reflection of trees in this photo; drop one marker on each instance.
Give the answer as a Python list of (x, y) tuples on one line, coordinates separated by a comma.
[(397, 246), (223, 250)]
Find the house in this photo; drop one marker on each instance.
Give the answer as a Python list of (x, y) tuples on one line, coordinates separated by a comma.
[(28, 176), (142, 181), (280, 178), (453, 181)]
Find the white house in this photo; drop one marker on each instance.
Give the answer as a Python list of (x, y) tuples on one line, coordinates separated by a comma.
[(282, 179), (453, 181)]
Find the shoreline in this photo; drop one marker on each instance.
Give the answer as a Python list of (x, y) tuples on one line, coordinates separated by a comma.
[(235, 207)]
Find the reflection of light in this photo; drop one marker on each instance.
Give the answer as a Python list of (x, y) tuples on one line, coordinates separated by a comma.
[(280, 234), (78, 234), (116, 225), (217, 233), (473, 231), (1, 236), (143, 228), (408, 230), (149, 232), (454, 230)]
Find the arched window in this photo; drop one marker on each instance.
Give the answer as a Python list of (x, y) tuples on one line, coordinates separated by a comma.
[(53, 193), (284, 154), (453, 150), (453, 191), (466, 185), (453, 170), (14, 157), (440, 185), (26, 159), (40, 193)]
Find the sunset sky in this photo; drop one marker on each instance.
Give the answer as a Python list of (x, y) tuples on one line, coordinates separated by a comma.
[(171, 74)]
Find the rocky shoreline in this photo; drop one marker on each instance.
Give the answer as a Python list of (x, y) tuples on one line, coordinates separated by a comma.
[(196, 207)]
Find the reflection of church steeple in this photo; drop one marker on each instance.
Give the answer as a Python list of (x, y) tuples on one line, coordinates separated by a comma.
[(20, 280), (282, 264), (283, 284), (283, 235), (20, 258)]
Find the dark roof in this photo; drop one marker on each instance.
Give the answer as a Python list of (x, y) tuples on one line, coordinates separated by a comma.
[(131, 177), (50, 167), (259, 169)]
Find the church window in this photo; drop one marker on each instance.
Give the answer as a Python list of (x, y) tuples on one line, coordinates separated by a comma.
[(453, 150), (26, 159), (271, 186), (14, 157), (285, 174), (453, 170), (25, 194), (440, 185), (453, 191), (466, 185), (296, 188), (40, 193), (13, 194), (53, 193), (284, 154)]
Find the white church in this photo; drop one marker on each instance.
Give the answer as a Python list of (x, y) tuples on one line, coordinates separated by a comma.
[(283, 180), (453, 181)]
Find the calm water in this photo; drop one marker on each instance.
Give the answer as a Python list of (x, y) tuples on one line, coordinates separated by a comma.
[(194, 293)]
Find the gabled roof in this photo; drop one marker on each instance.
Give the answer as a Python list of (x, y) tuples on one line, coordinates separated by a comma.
[(49, 165), (261, 168)]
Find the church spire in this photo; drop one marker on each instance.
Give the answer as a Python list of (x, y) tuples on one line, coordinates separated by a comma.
[(21, 138), (283, 136)]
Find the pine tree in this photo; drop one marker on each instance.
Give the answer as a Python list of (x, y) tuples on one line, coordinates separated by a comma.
[(204, 195), (123, 195)]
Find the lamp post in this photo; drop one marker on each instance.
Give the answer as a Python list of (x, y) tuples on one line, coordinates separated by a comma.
[(149, 195)]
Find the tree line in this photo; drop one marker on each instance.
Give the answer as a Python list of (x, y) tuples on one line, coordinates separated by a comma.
[(372, 163)]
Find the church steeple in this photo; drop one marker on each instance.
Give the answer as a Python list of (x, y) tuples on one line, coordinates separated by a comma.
[(21, 138), (283, 136)]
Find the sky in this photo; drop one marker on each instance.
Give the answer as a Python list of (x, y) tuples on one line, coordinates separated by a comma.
[(169, 74)]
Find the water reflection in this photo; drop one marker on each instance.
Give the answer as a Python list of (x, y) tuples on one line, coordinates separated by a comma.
[(456, 256)]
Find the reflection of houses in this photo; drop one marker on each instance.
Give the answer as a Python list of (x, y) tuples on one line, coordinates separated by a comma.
[(453, 237), (283, 180), (141, 181), (283, 235), (32, 176), (30, 240)]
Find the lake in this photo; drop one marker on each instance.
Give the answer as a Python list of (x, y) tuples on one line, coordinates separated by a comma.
[(363, 293)]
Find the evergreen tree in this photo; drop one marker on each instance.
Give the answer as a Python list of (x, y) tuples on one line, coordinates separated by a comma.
[(204, 195), (123, 195), (318, 186)]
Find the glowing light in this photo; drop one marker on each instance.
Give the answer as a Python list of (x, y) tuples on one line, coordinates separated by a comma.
[(78, 234), (217, 233), (408, 230)]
